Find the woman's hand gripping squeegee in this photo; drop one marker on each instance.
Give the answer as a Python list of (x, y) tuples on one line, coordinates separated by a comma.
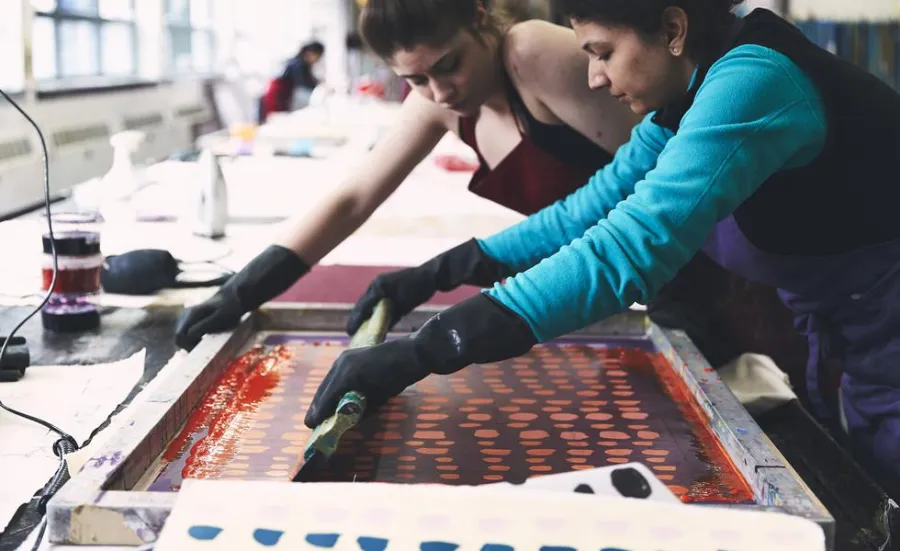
[(478, 330), (326, 437)]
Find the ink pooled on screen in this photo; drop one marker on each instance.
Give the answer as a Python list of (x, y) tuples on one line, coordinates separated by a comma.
[(564, 406)]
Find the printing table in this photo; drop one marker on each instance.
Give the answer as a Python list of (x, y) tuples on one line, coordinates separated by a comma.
[(841, 484), (851, 496)]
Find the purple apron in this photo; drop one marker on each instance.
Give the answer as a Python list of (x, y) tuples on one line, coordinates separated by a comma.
[(848, 308)]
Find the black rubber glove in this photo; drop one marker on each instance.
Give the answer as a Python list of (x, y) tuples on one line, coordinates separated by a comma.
[(477, 330), (465, 264), (264, 278)]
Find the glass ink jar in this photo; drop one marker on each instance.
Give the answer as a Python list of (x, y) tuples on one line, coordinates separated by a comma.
[(76, 237)]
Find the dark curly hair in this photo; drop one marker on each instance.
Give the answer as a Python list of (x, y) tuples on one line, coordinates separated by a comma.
[(709, 19), (314, 47), (387, 26)]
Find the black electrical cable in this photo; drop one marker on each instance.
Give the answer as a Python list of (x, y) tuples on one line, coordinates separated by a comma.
[(66, 443), (61, 448)]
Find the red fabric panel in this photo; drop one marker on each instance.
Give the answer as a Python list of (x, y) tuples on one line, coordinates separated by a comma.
[(345, 284)]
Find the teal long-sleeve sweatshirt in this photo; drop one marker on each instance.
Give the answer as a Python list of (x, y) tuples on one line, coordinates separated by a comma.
[(636, 222)]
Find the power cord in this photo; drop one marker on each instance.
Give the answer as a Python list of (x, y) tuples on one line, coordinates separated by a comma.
[(66, 443)]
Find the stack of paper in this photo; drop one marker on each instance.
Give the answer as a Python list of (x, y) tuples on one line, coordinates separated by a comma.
[(75, 398)]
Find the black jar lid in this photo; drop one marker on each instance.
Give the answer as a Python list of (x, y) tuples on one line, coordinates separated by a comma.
[(75, 243), (70, 322)]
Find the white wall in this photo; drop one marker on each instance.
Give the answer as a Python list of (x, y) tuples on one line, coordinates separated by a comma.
[(21, 177)]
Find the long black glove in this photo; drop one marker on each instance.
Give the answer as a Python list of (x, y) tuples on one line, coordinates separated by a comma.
[(264, 278), (410, 287), (477, 330)]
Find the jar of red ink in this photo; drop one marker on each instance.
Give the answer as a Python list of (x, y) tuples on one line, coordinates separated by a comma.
[(79, 261)]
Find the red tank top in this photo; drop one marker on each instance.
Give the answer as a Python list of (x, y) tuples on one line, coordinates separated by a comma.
[(548, 164)]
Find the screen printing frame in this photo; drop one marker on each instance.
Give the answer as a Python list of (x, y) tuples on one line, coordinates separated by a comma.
[(99, 506)]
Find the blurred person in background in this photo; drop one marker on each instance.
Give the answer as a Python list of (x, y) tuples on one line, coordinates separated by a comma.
[(292, 88)]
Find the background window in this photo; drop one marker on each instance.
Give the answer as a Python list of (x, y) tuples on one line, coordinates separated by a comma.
[(117, 9), (117, 47), (79, 48), (190, 35), (12, 42), (84, 38)]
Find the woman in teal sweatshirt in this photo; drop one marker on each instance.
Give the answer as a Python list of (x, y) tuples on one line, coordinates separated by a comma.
[(760, 149)]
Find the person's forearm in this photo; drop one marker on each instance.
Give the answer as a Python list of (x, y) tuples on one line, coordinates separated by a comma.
[(340, 214), (369, 184), (318, 233)]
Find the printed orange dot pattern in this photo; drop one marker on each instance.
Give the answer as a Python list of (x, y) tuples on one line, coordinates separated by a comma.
[(562, 407)]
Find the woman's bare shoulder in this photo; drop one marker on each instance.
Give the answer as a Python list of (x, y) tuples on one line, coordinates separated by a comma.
[(537, 52), (548, 65)]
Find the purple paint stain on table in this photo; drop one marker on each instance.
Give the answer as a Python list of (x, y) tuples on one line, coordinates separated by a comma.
[(113, 460)]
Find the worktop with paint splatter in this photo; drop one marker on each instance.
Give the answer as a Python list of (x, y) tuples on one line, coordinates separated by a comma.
[(564, 406)]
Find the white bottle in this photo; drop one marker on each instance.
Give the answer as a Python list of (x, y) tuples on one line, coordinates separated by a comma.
[(122, 179), (116, 188), (210, 216)]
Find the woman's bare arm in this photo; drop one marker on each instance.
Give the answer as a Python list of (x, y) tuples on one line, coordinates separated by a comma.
[(550, 68), (420, 127)]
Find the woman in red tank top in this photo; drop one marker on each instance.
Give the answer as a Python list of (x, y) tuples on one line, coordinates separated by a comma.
[(515, 93), (492, 85), (507, 90)]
